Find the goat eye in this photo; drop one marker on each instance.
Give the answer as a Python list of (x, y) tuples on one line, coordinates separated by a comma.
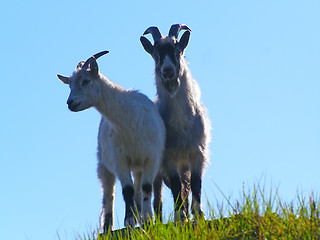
[(85, 82)]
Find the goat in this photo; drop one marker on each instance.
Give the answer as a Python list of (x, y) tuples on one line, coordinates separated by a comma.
[(131, 138), (185, 117)]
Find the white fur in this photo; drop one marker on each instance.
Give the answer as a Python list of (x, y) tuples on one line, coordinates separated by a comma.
[(131, 136)]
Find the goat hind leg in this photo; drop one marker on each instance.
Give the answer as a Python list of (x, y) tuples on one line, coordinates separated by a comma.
[(185, 180), (137, 192), (147, 179)]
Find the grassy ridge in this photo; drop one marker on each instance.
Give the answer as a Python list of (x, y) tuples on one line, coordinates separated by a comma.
[(253, 217)]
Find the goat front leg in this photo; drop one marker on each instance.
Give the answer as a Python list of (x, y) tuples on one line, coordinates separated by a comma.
[(175, 184), (196, 185), (108, 185), (128, 196)]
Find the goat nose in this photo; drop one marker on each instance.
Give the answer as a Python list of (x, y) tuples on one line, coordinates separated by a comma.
[(70, 101), (168, 72)]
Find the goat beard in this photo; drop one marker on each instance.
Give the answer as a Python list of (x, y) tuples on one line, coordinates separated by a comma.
[(172, 86)]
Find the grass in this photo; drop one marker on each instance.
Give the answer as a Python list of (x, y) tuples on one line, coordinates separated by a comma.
[(254, 216)]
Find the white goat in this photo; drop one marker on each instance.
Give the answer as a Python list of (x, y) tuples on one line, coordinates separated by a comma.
[(131, 138)]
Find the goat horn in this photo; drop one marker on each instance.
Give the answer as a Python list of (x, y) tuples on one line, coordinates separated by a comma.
[(86, 64), (176, 28), (156, 34), (97, 55)]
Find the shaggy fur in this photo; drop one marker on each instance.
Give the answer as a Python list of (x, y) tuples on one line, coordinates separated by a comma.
[(131, 138), (185, 117)]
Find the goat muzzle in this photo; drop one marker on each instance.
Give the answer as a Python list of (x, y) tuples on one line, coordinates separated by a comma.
[(72, 105)]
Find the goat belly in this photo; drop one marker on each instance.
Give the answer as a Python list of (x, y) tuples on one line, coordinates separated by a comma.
[(135, 164)]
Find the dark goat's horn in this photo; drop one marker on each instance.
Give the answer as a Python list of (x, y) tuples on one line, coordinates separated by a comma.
[(176, 28), (97, 55), (156, 34)]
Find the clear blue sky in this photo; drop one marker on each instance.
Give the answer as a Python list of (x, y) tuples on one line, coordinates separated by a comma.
[(257, 64)]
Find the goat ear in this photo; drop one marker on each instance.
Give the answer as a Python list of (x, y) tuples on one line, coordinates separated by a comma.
[(80, 64), (184, 40), (93, 66), (147, 45), (63, 79)]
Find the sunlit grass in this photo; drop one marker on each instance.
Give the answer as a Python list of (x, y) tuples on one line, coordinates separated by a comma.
[(256, 215)]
